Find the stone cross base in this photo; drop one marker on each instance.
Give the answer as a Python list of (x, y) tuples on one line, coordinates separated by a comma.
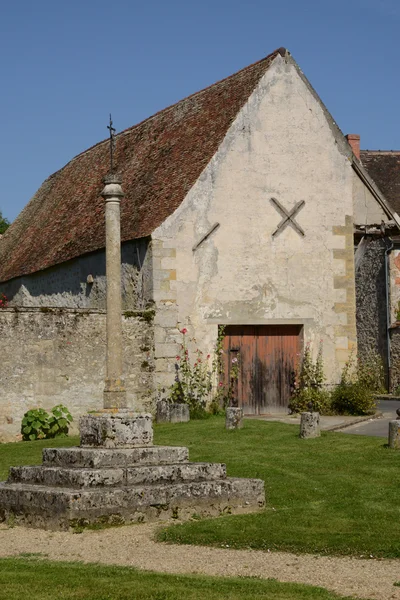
[(119, 429), (76, 487), (309, 425)]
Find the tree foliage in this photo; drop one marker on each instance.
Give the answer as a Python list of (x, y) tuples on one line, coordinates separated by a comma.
[(4, 223)]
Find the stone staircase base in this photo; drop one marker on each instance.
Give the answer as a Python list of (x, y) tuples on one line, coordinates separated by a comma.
[(77, 487)]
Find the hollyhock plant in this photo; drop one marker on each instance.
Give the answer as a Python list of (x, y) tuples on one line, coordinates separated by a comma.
[(3, 301)]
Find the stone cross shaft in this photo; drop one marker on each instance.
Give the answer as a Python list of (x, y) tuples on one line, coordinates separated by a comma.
[(114, 390)]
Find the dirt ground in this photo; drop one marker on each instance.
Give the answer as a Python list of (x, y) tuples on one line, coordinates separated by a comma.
[(134, 546)]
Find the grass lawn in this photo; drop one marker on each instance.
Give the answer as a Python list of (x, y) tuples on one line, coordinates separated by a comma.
[(28, 453), (42, 580), (338, 494)]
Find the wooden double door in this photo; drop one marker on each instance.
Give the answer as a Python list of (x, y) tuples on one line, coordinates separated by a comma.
[(267, 356)]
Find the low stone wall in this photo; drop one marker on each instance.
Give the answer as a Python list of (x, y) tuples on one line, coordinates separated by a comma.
[(57, 356)]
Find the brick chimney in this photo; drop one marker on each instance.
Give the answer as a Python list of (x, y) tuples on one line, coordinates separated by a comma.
[(354, 141)]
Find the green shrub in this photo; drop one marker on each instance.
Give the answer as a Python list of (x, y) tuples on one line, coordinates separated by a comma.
[(320, 399), (308, 385), (38, 424), (353, 398), (35, 424), (371, 372), (59, 421)]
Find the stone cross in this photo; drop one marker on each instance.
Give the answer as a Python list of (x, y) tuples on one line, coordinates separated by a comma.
[(114, 391)]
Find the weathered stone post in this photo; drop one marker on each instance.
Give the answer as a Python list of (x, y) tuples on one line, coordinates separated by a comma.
[(309, 425), (233, 417), (114, 390), (394, 435)]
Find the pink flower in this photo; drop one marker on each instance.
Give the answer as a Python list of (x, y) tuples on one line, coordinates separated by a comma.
[(178, 358), (184, 330), (208, 356)]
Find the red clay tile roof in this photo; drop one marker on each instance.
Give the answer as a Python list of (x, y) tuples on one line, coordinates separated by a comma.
[(384, 168), (159, 161)]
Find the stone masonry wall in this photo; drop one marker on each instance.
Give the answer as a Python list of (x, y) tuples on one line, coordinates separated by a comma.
[(53, 356), (395, 357), (81, 282), (371, 300)]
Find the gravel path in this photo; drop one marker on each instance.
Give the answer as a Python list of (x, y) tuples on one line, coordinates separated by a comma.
[(134, 546)]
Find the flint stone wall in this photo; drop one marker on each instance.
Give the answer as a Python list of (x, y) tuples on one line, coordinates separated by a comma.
[(57, 356), (371, 301), (395, 357)]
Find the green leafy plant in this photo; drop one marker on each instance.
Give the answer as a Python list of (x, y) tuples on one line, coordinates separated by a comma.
[(319, 398), (193, 379), (371, 373), (353, 398), (35, 424), (226, 391), (308, 385), (398, 311), (355, 393), (4, 224), (59, 421), (38, 424)]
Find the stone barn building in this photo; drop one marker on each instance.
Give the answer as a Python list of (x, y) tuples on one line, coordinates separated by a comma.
[(241, 205)]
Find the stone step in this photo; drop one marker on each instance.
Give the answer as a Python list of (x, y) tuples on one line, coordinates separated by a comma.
[(98, 458), (129, 476), (61, 508)]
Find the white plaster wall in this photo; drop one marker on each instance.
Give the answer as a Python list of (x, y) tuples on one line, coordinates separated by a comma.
[(280, 145)]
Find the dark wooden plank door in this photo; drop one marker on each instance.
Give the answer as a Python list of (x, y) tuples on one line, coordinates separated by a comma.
[(268, 355)]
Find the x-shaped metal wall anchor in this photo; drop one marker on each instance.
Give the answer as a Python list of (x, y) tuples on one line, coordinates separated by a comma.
[(288, 217)]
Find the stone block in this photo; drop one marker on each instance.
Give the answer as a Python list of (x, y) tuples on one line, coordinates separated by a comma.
[(60, 508), (166, 350), (98, 458), (394, 435), (167, 317), (179, 413), (309, 425), (175, 473), (163, 411), (233, 418), (67, 477), (168, 412), (124, 429)]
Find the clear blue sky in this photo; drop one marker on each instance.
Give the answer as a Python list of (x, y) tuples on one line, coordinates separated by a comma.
[(65, 64)]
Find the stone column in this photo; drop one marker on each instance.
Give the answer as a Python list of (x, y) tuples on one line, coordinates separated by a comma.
[(115, 426), (114, 390)]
